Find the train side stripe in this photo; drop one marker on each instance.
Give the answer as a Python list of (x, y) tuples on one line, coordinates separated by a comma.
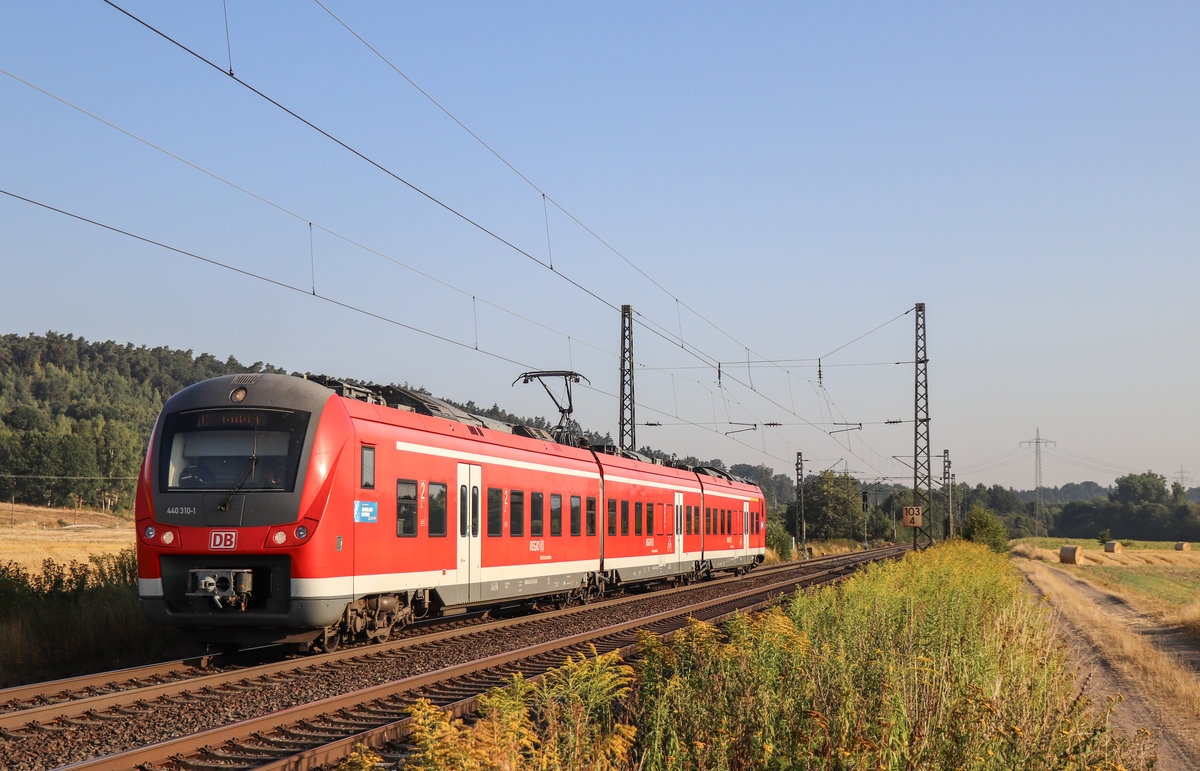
[(646, 483), (474, 457)]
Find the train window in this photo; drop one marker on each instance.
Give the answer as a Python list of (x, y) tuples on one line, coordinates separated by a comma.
[(687, 526), (612, 516), (474, 511), (624, 517), (495, 512), (224, 449), (637, 518), (437, 509), (462, 511), (406, 508), (591, 516), (516, 513), (368, 467), (536, 511), (576, 515), (555, 514), (708, 521), (720, 521)]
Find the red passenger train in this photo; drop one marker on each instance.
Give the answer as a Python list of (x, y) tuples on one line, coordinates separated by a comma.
[(274, 508)]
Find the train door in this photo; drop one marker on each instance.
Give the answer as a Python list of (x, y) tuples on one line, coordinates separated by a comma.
[(679, 529), (745, 527), (468, 530)]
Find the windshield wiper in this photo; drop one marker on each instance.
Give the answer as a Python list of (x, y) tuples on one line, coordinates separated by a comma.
[(237, 485)]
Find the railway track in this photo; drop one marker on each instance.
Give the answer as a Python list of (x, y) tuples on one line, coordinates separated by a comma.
[(330, 701)]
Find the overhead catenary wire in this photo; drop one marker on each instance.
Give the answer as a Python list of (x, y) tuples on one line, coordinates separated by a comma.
[(306, 293), (648, 323), (309, 225), (547, 198), (368, 159)]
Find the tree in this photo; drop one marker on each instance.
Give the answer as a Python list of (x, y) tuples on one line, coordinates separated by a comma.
[(983, 526), (1140, 488), (830, 501)]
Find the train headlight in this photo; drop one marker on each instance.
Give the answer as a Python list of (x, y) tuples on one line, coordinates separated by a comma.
[(301, 533), (279, 537), (168, 537), (149, 532)]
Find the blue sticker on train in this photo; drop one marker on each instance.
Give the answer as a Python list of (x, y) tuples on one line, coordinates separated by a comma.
[(366, 511)]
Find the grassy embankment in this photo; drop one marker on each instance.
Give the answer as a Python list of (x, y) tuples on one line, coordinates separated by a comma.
[(940, 660)]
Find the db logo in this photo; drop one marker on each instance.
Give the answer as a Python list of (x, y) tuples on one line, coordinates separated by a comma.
[(222, 539)]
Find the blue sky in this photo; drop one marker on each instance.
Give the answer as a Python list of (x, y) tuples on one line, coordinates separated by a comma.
[(770, 181)]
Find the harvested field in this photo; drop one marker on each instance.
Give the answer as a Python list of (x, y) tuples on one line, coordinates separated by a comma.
[(29, 535)]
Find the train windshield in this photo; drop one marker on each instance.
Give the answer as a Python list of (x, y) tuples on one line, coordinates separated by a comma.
[(232, 449)]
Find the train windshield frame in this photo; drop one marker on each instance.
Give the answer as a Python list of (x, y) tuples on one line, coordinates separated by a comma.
[(240, 449)]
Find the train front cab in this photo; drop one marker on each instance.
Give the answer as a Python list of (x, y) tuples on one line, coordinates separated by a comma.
[(231, 499)]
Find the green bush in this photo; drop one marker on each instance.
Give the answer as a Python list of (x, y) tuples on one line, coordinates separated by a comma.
[(983, 526), (779, 539)]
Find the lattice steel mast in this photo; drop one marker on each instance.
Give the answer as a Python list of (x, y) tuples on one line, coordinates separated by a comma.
[(922, 476), (1039, 505), (628, 439)]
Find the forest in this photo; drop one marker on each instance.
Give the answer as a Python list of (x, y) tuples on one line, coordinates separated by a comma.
[(75, 417)]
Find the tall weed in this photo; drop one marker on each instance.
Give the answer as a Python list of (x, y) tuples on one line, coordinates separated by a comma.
[(937, 661), (568, 720), (73, 618)]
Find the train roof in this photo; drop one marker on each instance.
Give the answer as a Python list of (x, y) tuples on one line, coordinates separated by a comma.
[(425, 404)]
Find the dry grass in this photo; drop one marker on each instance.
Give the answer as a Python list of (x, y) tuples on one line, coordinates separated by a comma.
[(1174, 688), (1035, 549), (1187, 617), (29, 535), (1032, 552)]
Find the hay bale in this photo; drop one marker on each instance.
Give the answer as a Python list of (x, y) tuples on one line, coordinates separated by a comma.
[(1113, 547), (1070, 555), (1183, 546)]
